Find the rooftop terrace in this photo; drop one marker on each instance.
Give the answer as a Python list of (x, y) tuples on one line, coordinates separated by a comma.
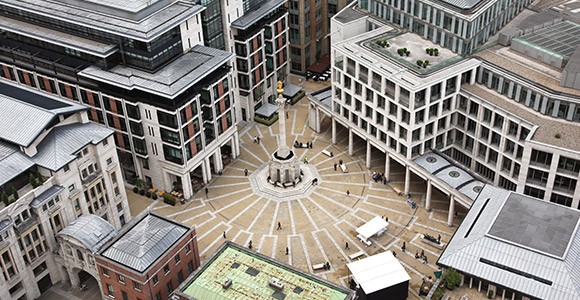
[(250, 273)]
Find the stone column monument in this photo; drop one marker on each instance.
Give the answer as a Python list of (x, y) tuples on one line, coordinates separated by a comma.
[(284, 166)]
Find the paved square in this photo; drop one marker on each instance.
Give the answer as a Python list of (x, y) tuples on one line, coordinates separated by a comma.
[(316, 227)]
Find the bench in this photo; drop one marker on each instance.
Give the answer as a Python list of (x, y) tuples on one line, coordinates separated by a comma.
[(327, 153), (344, 169), (355, 255), (397, 191), (318, 266)]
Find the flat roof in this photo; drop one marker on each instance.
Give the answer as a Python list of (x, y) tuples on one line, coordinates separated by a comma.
[(250, 273), (143, 241), (146, 29), (259, 12), (91, 230), (530, 224), (373, 226), (378, 272), (559, 40), (518, 263), (348, 14), (171, 80), (57, 37)]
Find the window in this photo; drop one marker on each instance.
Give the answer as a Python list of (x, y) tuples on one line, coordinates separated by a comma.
[(169, 288), (166, 269), (121, 279), (187, 249), (125, 296), (106, 272), (177, 259), (190, 266), (66, 168), (158, 296), (155, 280), (110, 290), (137, 286), (71, 188)]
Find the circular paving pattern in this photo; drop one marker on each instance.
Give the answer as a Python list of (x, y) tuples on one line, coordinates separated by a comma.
[(315, 225)]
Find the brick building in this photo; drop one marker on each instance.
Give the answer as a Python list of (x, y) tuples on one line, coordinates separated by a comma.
[(148, 259)]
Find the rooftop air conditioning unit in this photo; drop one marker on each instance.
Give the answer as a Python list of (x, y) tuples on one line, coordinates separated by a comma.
[(275, 284), (226, 284)]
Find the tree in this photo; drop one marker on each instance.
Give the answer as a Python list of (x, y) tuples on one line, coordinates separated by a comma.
[(32, 180), (39, 180), (5, 198), (452, 278), (14, 193)]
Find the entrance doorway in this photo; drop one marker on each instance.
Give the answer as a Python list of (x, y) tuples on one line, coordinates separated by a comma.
[(44, 284)]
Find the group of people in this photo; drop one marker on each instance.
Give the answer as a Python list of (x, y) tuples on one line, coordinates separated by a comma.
[(422, 256), (379, 177), (256, 140), (298, 144)]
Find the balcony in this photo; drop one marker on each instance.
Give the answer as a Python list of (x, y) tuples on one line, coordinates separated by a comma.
[(26, 224), (92, 178)]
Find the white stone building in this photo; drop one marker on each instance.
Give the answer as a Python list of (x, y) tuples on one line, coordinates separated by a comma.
[(47, 136)]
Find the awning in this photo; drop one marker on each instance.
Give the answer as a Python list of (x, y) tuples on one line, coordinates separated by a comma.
[(267, 110), (372, 227), (320, 65), (378, 272), (291, 90)]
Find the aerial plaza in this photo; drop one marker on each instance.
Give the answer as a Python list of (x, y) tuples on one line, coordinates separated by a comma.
[(313, 226)]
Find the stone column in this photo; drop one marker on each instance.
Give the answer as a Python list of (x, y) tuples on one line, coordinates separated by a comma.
[(283, 150), (204, 172), (186, 183), (369, 148), (208, 168), (451, 211), (407, 179), (217, 160), (317, 119), (350, 141), (333, 131), (428, 196), (74, 278), (387, 165), (236, 145)]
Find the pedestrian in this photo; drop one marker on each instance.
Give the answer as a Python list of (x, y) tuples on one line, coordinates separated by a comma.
[(225, 235), (346, 246), (279, 226), (258, 139), (340, 161), (286, 250), (335, 166), (347, 192), (422, 253), (387, 219), (286, 118), (456, 214), (425, 260), (404, 247), (385, 181), (250, 245), (394, 253), (417, 256), (255, 139), (206, 191), (438, 238), (245, 172), (306, 159)]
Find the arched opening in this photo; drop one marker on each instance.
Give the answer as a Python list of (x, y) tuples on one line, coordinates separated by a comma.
[(88, 288)]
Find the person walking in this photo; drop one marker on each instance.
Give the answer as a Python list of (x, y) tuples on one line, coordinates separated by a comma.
[(286, 250), (258, 139), (250, 245), (346, 246), (347, 192), (225, 235), (394, 254), (245, 172), (404, 247), (335, 166), (422, 253), (206, 191), (279, 226)]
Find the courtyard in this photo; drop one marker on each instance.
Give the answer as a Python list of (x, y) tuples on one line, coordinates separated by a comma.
[(314, 228)]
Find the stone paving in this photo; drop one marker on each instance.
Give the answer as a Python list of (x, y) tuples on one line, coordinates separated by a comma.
[(315, 228)]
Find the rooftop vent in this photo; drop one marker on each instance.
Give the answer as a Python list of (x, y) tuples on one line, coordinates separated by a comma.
[(226, 284), (275, 284)]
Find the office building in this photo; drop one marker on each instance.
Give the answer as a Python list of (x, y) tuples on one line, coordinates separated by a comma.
[(143, 70), (507, 113)]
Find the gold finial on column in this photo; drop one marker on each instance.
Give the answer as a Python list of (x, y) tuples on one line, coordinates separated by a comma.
[(280, 90)]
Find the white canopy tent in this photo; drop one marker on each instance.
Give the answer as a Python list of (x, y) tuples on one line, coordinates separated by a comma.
[(376, 226), (378, 272)]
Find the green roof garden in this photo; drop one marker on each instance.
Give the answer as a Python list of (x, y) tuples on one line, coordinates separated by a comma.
[(250, 274)]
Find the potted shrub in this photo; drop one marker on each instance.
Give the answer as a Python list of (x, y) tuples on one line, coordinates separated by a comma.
[(169, 199), (15, 193), (141, 192), (400, 51), (148, 194), (436, 51), (5, 198), (439, 293), (427, 50), (408, 52), (419, 63), (379, 42), (425, 63), (135, 190), (452, 279), (489, 294), (385, 44), (154, 196)]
